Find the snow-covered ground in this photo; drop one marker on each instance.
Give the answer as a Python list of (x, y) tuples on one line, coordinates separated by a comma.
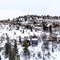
[(38, 52)]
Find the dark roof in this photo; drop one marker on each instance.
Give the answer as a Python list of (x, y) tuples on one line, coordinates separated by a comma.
[(34, 36), (50, 38)]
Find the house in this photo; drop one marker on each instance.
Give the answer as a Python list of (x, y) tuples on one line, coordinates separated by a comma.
[(34, 40), (51, 38)]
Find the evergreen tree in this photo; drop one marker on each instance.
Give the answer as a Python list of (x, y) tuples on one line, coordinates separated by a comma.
[(52, 49), (12, 55), (20, 40), (39, 55), (0, 57), (7, 49), (13, 52), (25, 17), (44, 24), (43, 58), (26, 51), (15, 47), (50, 29), (48, 54)]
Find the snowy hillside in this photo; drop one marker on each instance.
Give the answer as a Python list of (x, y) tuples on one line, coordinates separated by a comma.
[(21, 42)]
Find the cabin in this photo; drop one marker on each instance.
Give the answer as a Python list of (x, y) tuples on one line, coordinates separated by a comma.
[(34, 40), (51, 38)]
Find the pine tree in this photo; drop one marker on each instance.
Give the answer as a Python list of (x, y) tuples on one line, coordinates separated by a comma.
[(0, 57), (15, 47), (7, 49), (13, 52), (26, 51), (20, 40), (52, 49), (12, 55)]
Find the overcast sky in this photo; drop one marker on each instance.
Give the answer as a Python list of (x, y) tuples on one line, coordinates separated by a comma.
[(14, 8)]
